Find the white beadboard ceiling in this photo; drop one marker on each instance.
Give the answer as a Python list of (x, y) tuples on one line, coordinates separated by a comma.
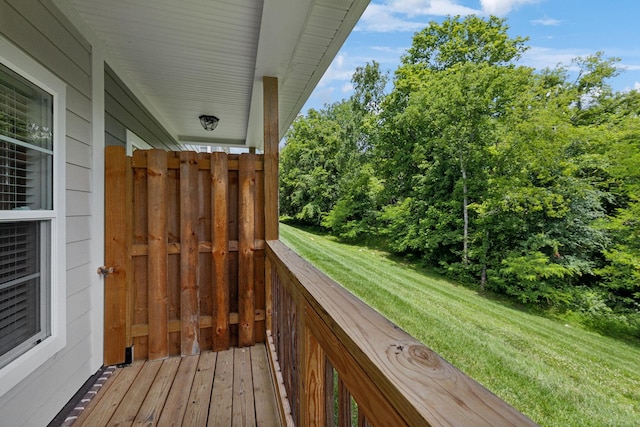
[(184, 58)]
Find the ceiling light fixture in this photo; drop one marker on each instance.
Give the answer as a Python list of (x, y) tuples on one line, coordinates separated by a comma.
[(209, 122)]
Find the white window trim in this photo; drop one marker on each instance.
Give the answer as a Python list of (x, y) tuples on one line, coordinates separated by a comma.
[(135, 142), (20, 368)]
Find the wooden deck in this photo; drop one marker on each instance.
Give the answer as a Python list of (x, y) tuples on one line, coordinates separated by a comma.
[(229, 388)]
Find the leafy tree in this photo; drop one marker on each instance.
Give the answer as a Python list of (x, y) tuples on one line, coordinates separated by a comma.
[(358, 201), (439, 122), (464, 40), (309, 170), (548, 192), (526, 182), (621, 274), (323, 163)]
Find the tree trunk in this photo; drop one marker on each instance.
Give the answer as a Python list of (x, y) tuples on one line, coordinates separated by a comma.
[(465, 215)]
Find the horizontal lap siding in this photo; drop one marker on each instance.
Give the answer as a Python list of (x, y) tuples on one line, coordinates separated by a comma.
[(124, 111), (42, 32)]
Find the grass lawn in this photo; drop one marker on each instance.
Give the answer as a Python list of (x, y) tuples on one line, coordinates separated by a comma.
[(557, 374)]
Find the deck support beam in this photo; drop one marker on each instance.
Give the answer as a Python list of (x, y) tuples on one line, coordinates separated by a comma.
[(271, 141), (271, 199)]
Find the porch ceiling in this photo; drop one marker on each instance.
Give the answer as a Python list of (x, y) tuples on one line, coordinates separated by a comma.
[(184, 58)]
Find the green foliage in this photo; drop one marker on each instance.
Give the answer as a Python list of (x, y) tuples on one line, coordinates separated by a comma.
[(464, 40), (556, 372), (355, 213), (522, 182), (533, 278), (325, 178), (308, 178)]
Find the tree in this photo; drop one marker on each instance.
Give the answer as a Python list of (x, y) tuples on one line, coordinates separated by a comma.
[(464, 40), (548, 190), (450, 90), (323, 161), (621, 273), (309, 171), (358, 200)]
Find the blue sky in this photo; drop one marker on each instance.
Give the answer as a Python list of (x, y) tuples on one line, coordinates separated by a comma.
[(558, 31)]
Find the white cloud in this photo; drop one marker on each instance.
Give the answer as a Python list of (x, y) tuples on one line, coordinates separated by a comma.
[(636, 86), (542, 57), (414, 8), (547, 22), (340, 69), (395, 51), (407, 15), (346, 88), (502, 7), (380, 18)]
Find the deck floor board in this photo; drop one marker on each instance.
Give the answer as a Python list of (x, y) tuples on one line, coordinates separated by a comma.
[(228, 388)]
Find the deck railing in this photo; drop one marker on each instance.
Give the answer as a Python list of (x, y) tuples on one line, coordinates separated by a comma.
[(341, 361)]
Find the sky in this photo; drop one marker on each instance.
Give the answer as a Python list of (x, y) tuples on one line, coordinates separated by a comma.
[(558, 31)]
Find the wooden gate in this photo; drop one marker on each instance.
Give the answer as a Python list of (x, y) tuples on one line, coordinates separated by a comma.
[(184, 253)]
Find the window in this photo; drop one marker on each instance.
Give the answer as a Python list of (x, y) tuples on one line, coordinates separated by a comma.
[(32, 260), (26, 183)]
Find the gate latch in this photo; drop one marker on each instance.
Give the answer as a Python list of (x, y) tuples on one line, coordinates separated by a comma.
[(106, 271)]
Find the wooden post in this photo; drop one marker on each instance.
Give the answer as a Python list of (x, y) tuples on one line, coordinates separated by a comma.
[(157, 254), (246, 248), (220, 249), (271, 141), (189, 255), (271, 195), (115, 285)]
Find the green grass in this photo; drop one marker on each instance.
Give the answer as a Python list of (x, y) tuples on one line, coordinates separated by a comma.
[(555, 373)]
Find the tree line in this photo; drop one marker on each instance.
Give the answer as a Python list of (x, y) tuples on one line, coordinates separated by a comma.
[(519, 181)]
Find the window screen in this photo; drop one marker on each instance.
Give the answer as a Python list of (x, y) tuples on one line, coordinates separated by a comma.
[(26, 144), (26, 184)]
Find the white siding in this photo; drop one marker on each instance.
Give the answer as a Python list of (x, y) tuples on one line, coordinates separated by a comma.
[(43, 33), (124, 111)]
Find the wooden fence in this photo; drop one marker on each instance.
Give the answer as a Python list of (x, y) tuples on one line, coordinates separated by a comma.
[(185, 240), (339, 361)]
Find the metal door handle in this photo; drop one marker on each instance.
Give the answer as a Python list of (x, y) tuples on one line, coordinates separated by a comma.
[(105, 271)]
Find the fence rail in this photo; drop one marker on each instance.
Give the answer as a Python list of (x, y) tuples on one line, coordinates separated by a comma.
[(341, 361)]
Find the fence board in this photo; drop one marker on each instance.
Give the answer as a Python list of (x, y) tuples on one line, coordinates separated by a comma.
[(189, 255), (173, 234), (115, 256), (259, 254), (246, 248), (140, 263), (205, 278), (220, 249), (157, 257)]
